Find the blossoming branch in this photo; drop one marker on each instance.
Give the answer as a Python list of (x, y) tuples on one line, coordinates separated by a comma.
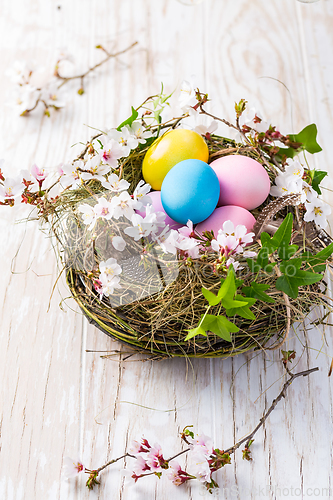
[(29, 94), (204, 458)]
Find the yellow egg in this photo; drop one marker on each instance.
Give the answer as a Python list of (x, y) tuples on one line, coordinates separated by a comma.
[(170, 149)]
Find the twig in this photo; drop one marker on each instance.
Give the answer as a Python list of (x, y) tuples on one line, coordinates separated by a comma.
[(83, 75), (263, 419), (247, 439), (114, 461)]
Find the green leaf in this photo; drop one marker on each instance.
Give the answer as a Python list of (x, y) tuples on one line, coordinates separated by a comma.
[(194, 332), (283, 234), (285, 252), (243, 311), (308, 138), (317, 262), (129, 120), (317, 177), (228, 286), (220, 325), (257, 290), (267, 242), (213, 300), (262, 257), (288, 152), (325, 253), (293, 278)]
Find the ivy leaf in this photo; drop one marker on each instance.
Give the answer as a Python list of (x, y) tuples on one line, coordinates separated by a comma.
[(257, 290), (288, 152), (129, 120), (285, 252), (243, 311), (194, 332), (267, 242), (325, 253), (283, 234), (317, 176), (228, 287), (212, 299), (308, 138), (317, 262), (262, 257), (293, 278), (220, 325)]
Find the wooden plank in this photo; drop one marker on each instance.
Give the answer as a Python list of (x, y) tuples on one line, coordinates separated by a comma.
[(55, 398)]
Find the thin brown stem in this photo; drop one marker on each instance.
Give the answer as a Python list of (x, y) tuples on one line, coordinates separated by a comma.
[(66, 79), (263, 419), (178, 454), (114, 461)]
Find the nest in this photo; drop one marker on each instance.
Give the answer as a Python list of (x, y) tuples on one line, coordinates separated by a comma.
[(162, 297)]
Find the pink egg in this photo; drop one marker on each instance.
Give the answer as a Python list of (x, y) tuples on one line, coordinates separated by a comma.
[(237, 215), (243, 181), (155, 197)]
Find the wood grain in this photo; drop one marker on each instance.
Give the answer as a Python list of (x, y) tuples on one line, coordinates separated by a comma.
[(56, 398)]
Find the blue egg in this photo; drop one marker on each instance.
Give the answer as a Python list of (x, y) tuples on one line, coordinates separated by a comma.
[(190, 190)]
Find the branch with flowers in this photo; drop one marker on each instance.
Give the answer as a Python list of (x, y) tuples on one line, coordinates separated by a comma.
[(29, 94), (204, 458)]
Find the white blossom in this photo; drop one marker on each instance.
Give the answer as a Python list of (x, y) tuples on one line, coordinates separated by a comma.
[(70, 175), (187, 95), (125, 139), (72, 467), (95, 169), (118, 243), (25, 98), (285, 184), (108, 285), (103, 209), (199, 123), (11, 189), (141, 227), (109, 268), (123, 205), (19, 73), (51, 93), (317, 211), (114, 184), (140, 193), (89, 216), (138, 131)]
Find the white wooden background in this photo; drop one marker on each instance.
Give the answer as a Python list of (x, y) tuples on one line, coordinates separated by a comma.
[(57, 399)]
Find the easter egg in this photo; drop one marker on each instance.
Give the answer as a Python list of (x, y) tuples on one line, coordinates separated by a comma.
[(243, 181), (190, 190), (155, 197), (170, 149), (237, 215)]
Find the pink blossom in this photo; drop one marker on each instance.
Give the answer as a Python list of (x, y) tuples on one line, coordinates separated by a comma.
[(103, 209), (176, 474), (72, 468), (111, 152), (200, 467), (155, 459), (202, 444), (231, 240), (39, 174), (141, 466)]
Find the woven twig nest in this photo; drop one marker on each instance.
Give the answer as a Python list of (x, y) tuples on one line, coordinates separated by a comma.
[(158, 298)]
